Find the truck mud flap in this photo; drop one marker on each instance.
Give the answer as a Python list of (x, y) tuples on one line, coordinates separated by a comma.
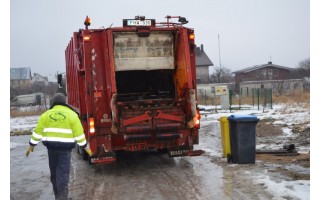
[(180, 153)]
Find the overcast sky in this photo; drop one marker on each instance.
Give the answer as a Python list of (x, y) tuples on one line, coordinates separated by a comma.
[(251, 31)]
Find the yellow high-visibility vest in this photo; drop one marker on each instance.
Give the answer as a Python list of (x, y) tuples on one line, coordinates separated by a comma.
[(59, 124)]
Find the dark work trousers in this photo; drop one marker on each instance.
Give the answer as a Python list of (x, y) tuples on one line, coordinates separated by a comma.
[(59, 163)]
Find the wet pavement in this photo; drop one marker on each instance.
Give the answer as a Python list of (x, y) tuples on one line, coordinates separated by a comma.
[(142, 175)]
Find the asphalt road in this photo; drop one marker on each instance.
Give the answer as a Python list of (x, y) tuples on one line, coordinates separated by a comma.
[(140, 176)]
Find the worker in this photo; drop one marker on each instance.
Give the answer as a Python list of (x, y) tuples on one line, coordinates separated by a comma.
[(59, 129)]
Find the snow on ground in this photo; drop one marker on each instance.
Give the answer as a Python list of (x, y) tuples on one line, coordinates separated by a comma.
[(282, 115), (281, 188), (23, 123), (285, 116)]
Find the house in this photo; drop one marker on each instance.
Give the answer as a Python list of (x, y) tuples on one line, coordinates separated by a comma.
[(266, 76), (203, 63), (20, 77), (267, 71), (38, 79)]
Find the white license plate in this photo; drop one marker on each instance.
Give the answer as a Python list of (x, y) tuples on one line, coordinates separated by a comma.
[(139, 22)]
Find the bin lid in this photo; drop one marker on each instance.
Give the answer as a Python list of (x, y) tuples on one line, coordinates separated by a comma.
[(223, 118), (246, 118)]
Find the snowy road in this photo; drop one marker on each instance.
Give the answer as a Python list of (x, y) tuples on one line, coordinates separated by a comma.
[(153, 175)]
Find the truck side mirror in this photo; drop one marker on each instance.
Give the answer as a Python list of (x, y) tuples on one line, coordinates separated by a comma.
[(60, 80)]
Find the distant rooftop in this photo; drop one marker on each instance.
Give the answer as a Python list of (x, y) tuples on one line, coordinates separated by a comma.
[(22, 73), (201, 57), (255, 67)]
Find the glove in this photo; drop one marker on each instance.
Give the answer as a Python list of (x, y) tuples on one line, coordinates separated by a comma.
[(30, 149), (88, 150)]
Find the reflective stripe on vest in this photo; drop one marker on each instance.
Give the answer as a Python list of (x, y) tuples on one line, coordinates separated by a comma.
[(58, 130), (58, 139), (79, 137), (35, 142), (82, 143), (35, 138)]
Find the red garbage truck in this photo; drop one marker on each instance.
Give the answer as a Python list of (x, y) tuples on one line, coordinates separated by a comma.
[(134, 87)]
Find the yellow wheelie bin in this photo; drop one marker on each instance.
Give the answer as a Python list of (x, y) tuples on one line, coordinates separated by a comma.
[(225, 137)]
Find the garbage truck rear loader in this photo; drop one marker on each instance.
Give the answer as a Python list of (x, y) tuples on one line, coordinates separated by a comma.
[(134, 87)]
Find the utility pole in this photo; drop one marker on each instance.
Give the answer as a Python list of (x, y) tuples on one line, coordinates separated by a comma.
[(219, 60), (219, 51)]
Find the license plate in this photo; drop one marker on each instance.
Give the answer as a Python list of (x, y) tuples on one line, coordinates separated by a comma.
[(175, 153), (139, 22)]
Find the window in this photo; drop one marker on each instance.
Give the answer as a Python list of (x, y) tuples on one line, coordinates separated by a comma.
[(264, 73), (258, 72), (269, 73), (276, 72)]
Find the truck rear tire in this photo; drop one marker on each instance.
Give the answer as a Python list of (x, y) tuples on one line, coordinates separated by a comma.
[(162, 151)]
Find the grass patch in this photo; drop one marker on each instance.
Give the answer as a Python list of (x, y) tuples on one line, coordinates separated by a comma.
[(24, 132), (302, 99), (296, 98), (27, 111)]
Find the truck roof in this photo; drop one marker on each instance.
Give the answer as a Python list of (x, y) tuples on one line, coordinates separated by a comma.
[(142, 22)]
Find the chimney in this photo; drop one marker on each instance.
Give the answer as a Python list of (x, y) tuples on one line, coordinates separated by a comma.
[(201, 47), (270, 62)]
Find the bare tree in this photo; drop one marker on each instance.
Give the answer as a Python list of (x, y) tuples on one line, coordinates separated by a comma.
[(302, 70), (52, 89), (48, 90), (305, 64), (222, 75), (280, 87)]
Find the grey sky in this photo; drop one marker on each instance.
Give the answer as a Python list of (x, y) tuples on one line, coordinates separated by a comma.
[(250, 30)]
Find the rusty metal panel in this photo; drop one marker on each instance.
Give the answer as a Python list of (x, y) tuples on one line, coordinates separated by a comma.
[(143, 53)]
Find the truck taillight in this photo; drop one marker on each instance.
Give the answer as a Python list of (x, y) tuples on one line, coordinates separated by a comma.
[(197, 120), (91, 126), (86, 38), (192, 36)]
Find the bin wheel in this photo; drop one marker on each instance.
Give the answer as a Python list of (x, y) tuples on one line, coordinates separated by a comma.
[(229, 158)]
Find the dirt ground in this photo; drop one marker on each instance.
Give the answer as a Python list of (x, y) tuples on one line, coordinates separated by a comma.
[(301, 160), (301, 137)]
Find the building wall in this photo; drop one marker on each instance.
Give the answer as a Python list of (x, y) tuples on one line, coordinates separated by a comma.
[(202, 71), (266, 73), (20, 83), (279, 87)]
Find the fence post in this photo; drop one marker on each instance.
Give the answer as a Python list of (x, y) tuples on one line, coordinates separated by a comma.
[(205, 97), (265, 97), (252, 97), (230, 99), (271, 97), (258, 94)]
